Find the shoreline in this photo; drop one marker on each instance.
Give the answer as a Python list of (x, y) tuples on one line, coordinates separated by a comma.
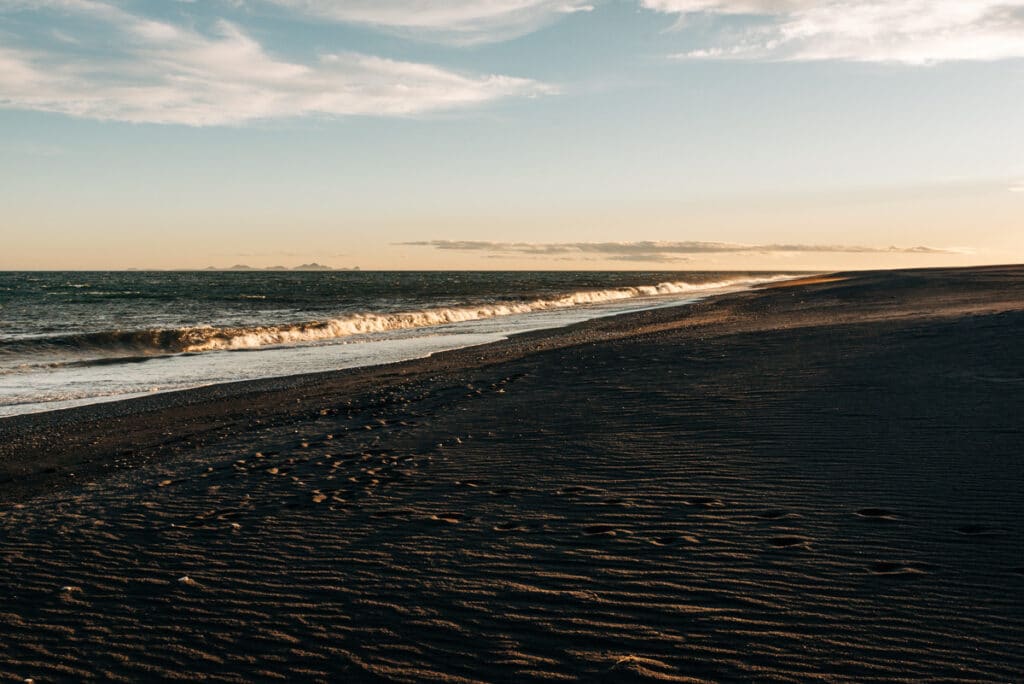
[(85, 431), (72, 429), (183, 358), (734, 489)]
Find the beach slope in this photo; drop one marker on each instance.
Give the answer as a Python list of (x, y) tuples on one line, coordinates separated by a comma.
[(820, 480)]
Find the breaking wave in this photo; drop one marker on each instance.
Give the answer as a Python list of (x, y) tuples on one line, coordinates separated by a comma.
[(210, 338)]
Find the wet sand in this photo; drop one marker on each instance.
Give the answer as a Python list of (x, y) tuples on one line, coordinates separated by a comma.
[(814, 482)]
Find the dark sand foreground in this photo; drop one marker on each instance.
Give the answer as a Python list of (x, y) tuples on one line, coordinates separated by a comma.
[(821, 481)]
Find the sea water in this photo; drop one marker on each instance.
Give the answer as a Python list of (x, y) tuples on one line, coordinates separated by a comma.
[(71, 338)]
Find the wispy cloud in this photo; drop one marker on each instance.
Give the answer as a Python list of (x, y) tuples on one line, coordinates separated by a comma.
[(902, 31), (454, 21), (138, 69), (653, 251)]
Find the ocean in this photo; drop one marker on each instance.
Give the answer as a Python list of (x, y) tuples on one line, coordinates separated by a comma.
[(72, 338)]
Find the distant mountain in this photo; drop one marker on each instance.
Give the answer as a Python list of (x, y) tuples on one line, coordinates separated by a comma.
[(240, 267), (312, 267)]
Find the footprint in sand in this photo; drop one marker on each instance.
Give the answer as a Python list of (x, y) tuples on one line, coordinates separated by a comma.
[(789, 541), (675, 540), (573, 490), (638, 669), (704, 502), (876, 514), (603, 531), (503, 491), (777, 514), (208, 517), (448, 518), (896, 568), (70, 593), (982, 531), (391, 513)]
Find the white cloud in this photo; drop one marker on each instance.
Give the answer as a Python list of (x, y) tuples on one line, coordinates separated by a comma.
[(457, 21), (903, 31), (726, 6), (156, 72)]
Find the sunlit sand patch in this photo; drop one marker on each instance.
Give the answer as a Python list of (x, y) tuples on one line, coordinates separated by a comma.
[(637, 668), (798, 282), (448, 518)]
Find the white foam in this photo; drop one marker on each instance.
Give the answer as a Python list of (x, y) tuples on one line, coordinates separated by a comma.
[(210, 339)]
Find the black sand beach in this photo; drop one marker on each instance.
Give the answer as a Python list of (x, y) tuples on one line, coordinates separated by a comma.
[(820, 481)]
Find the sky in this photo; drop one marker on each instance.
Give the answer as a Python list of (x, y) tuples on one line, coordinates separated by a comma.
[(511, 134)]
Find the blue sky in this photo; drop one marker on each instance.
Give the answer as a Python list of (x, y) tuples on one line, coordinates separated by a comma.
[(511, 133)]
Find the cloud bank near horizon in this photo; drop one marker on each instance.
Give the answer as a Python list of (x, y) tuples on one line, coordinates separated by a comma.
[(653, 251), (913, 32)]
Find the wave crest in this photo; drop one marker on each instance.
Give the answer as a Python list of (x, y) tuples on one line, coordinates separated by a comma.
[(209, 338)]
